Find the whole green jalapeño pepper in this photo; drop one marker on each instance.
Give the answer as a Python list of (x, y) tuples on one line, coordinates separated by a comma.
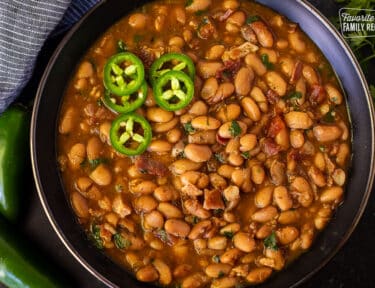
[(14, 156), (123, 74), (173, 90), (125, 103), (172, 62), (21, 266), (130, 134)]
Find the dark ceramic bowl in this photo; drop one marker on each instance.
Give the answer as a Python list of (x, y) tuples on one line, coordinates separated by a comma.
[(44, 127)]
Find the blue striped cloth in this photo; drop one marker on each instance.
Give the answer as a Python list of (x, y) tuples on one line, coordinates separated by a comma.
[(24, 26)]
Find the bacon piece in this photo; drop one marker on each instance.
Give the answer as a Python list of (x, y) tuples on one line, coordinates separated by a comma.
[(297, 71), (248, 34), (272, 96), (269, 147), (150, 166), (276, 125), (191, 190), (317, 94), (213, 199), (222, 16), (229, 70), (147, 55), (207, 29)]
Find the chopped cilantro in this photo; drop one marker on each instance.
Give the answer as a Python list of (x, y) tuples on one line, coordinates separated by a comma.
[(266, 62), (235, 129), (189, 128), (252, 19), (216, 258), (195, 220), (121, 46), (95, 236), (221, 274), (96, 162), (99, 102), (322, 148), (163, 235), (294, 95), (219, 157), (218, 212), (137, 38), (119, 188), (270, 242), (329, 117), (188, 3), (200, 12), (245, 155), (228, 234), (121, 242)]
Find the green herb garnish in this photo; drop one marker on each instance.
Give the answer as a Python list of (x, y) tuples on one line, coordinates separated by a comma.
[(329, 117), (96, 162), (228, 234), (235, 129), (218, 212), (95, 236), (163, 235), (293, 95), (219, 157), (216, 259), (188, 3), (221, 274), (245, 155), (270, 242), (121, 46), (137, 38), (252, 19), (189, 128), (200, 12), (119, 188), (322, 148), (121, 242), (266, 62)]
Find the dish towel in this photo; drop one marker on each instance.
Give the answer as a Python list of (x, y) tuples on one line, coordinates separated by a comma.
[(24, 27)]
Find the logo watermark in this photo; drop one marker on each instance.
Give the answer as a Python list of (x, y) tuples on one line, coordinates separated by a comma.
[(357, 23)]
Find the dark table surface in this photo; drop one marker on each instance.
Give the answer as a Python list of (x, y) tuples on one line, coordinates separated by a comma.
[(351, 267)]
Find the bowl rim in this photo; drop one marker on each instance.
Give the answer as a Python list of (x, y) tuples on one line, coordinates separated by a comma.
[(48, 211)]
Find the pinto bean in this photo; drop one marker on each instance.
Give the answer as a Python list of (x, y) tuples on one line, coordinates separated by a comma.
[(257, 174), (140, 186), (327, 133), (272, 54), (264, 35), (297, 139), (169, 210), (80, 205), (197, 280), (296, 42), (147, 274), (68, 120), (334, 94), (205, 123), (198, 108), (228, 112), (215, 52), (94, 148), (317, 176), (77, 155), (104, 129), (265, 214), (225, 282), (209, 88), (231, 4), (282, 198), (263, 196), (176, 41), (332, 194), (203, 137), (298, 120), (153, 220), (182, 165), (198, 153), (264, 231), (276, 83), (339, 177), (217, 181), (85, 70), (101, 175), (303, 190), (217, 243), (177, 227), (243, 81), (208, 69), (251, 108), (198, 5), (289, 217), (244, 242), (342, 154), (225, 171), (165, 127), (138, 21), (301, 88), (159, 146), (200, 229), (258, 275), (145, 203), (215, 270), (253, 61), (287, 235), (248, 142), (156, 114), (165, 193), (310, 75), (182, 270), (174, 135), (201, 180)]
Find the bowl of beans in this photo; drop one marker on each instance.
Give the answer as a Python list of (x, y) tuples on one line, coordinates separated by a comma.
[(203, 143)]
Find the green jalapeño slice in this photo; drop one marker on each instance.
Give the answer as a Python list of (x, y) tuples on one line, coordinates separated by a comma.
[(124, 74), (173, 91), (125, 103), (172, 62), (130, 134)]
